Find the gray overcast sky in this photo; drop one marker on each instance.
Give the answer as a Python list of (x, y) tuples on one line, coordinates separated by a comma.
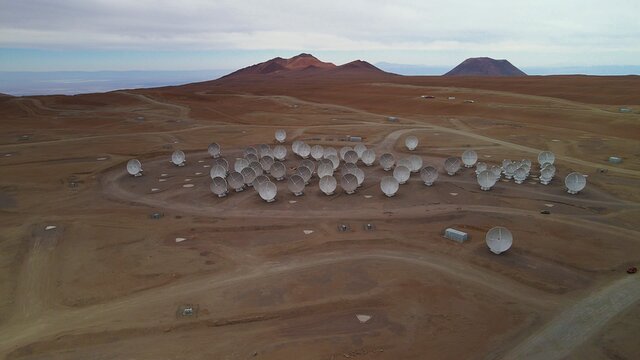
[(189, 34)]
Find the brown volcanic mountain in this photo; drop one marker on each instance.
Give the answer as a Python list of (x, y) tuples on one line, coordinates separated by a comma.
[(305, 64), (484, 66)]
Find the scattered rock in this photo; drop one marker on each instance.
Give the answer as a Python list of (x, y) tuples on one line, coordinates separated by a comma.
[(453, 194), (163, 175), (102, 158), (198, 173), (368, 196), (555, 140), (155, 189), (292, 201), (50, 227), (363, 318), (206, 166), (187, 180), (200, 161), (188, 185), (548, 205), (307, 232), (179, 239), (162, 180)]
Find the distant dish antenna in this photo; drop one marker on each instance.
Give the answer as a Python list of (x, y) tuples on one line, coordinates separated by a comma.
[(547, 174), (452, 165), (486, 180), (351, 157), (387, 161), (178, 158), (334, 160), (250, 150), (429, 175), (344, 151), (236, 181), (264, 150), (359, 173), (248, 175), (304, 150), (256, 167), (218, 171), (266, 162), (214, 150), (349, 183), (305, 173), (389, 185), (268, 191), (402, 174), (259, 181), (360, 149), (499, 239), (520, 175), (296, 146), (222, 162), (411, 142), (546, 157), (278, 170), (416, 163), (328, 184), (496, 171), (575, 182), (325, 169), (281, 136), (296, 184), (134, 167), (218, 186), (506, 162), (251, 157), (330, 151), (469, 158), (310, 164), (317, 152), (368, 157), (406, 162), (240, 164), (480, 167), (280, 152), (510, 170)]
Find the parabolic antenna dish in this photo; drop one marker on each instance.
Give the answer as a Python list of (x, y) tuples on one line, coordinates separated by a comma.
[(499, 239), (330, 151), (325, 169), (248, 175), (452, 165), (280, 152), (546, 175), (278, 170), (334, 160), (469, 158), (510, 170), (351, 157), (387, 161), (343, 151), (389, 185), (368, 157), (411, 142), (259, 181), (406, 162), (134, 167), (251, 157), (480, 167), (416, 163), (486, 180), (349, 168), (214, 150), (506, 162), (575, 182), (240, 164), (256, 167), (250, 150), (264, 150), (496, 171), (178, 158), (304, 150), (429, 175), (328, 184), (546, 157), (218, 186), (268, 191), (402, 174), (296, 184), (281, 135), (359, 149), (527, 162), (296, 146), (317, 152), (349, 183), (359, 173), (520, 175), (310, 164), (222, 162), (304, 172), (266, 162), (236, 181), (218, 171)]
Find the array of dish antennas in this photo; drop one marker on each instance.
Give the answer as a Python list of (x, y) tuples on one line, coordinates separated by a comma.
[(134, 167), (214, 150), (452, 165), (281, 136), (547, 173), (328, 184), (178, 158), (387, 161), (499, 239), (218, 186), (486, 180), (429, 175), (575, 182), (389, 185), (411, 142), (469, 158)]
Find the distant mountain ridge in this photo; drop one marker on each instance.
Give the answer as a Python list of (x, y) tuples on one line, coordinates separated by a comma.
[(485, 66)]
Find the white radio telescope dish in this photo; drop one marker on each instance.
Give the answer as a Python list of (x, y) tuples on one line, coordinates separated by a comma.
[(547, 174), (328, 184), (411, 142), (268, 191), (296, 146), (259, 181), (344, 151), (250, 150), (575, 182), (317, 152), (452, 165), (351, 157), (296, 184), (251, 157), (520, 175), (360, 149), (178, 158), (402, 174), (304, 150), (429, 175), (240, 164), (248, 175), (214, 150), (486, 180), (469, 158), (359, 173), (510, 170), (218, 186), (266, 162), (222, 162), (280, 152), (499, 239), (480, 167), (134, 167), (281, 135), (278, 170), (218, 171), (416, 163), (349, 183), (387, 161), (264, 150), (334, 160), (325, 169), (256, 167), (310, 164), (305, 173), (389, 185), (496, 171), (330, 151), (236, 181), (546, 157), (368, 157)]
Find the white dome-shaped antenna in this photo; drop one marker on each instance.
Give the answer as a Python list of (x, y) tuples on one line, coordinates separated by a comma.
[(240, 164), (351, 157), (368, 157), (452, 165), (334, 160), (317, 152), (268, 191), (134, 167), (218, 171), (178, 158), (416, 163), (389, 185), (510, 170), (360, 149), (296, 184), (486, 180), (401, 173), (387, 161), (411, 142), (325, 169), (328, 184), (218, 186), (304, 151), (264, 150), (546, 157), (278, 170), (575, 182), (248, 175), (499, 239), (310, 164), (256, 167), (496, 171), (259, 181), (280, 152), (266, 162), (296, 146), (349, 183), (469, 158), (236, 181), (250, 150), (429, 175), (343, 151), (281, 135), (480, 167), (305, 173), (520, 175), (214, 150)]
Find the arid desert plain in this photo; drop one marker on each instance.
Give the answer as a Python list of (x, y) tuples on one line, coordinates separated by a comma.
[(88, 271)]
